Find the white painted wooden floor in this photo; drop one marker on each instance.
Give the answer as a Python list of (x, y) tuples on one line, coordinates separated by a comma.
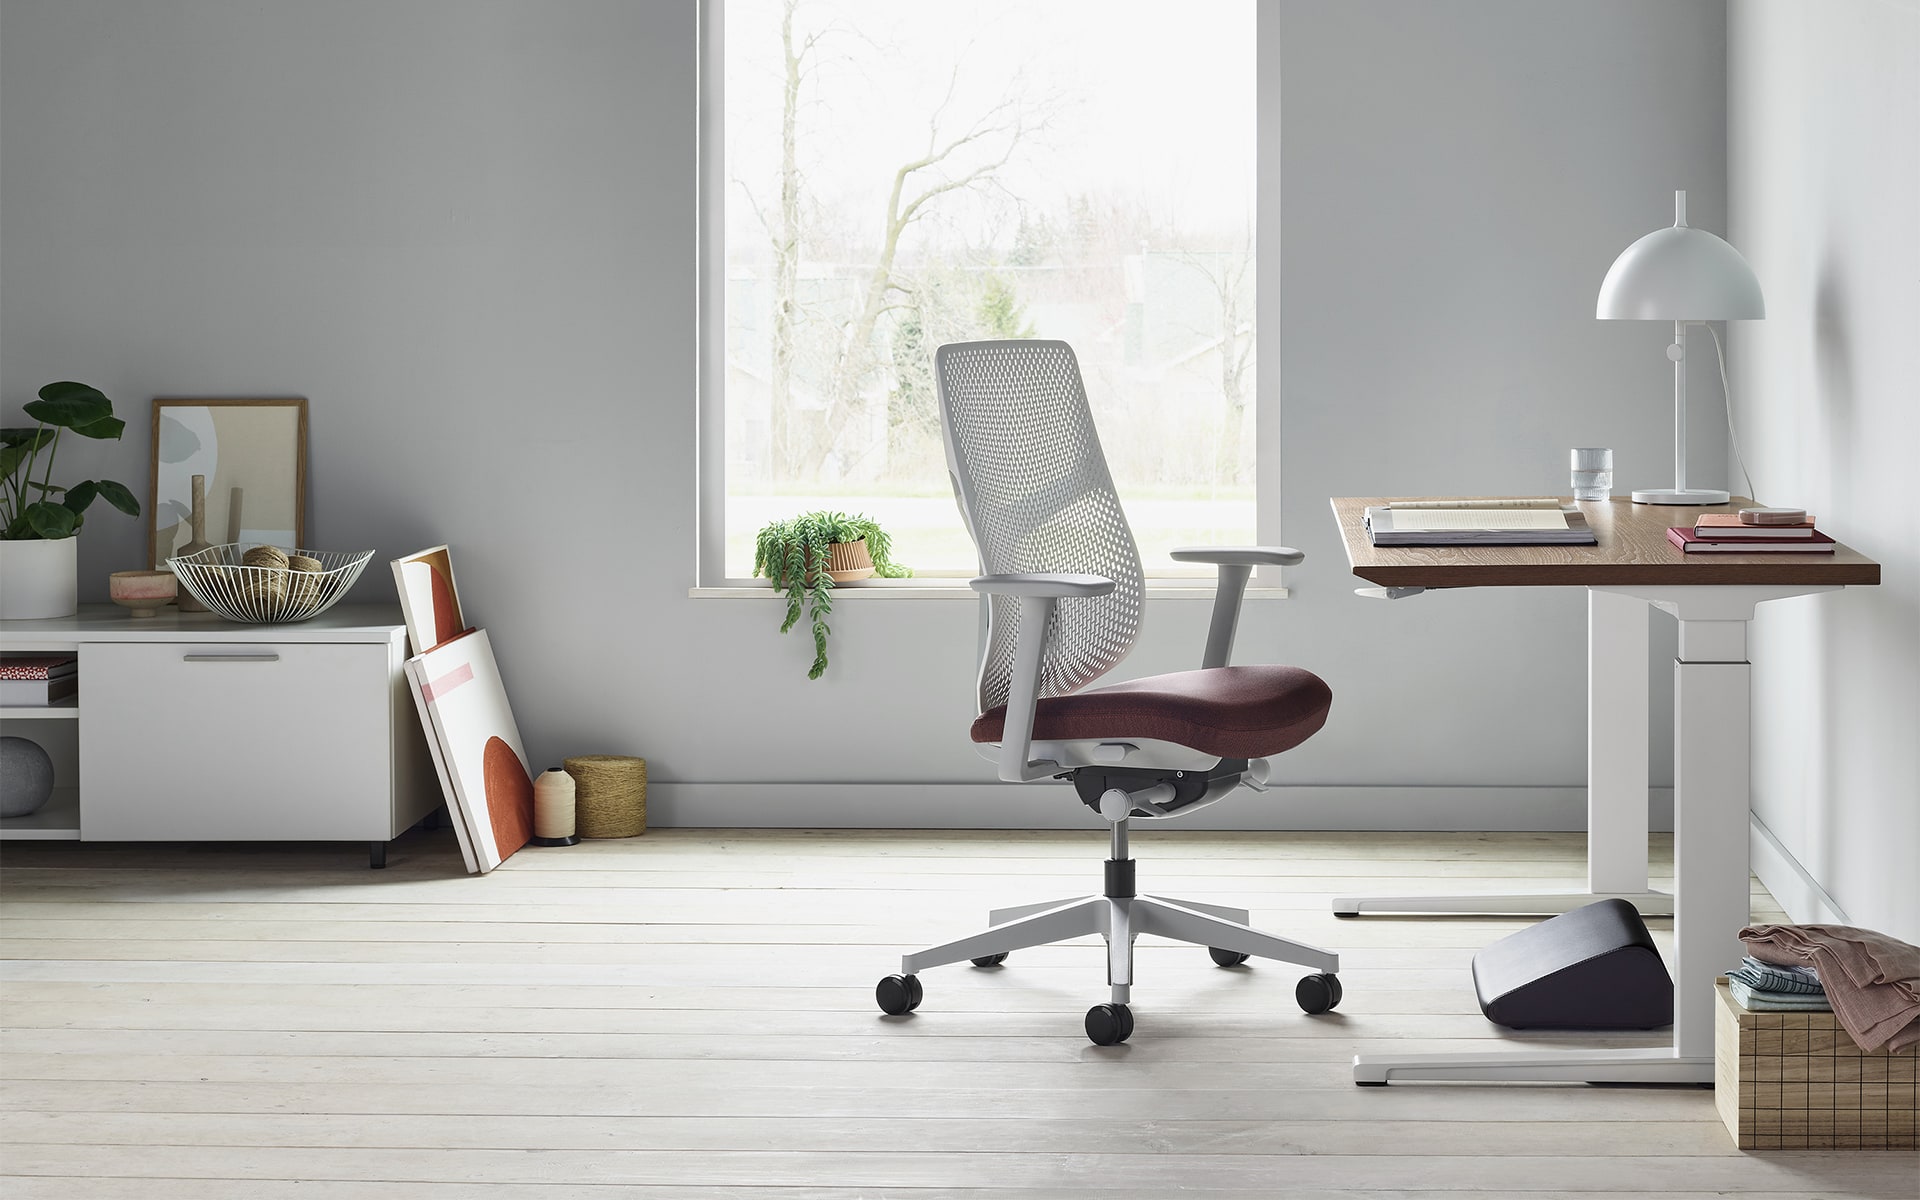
[(690, 1014)]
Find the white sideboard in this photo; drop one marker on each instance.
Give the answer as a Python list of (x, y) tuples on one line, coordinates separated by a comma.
[(194, 728)]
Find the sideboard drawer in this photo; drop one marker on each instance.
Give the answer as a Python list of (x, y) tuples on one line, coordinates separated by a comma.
[(236, 741)]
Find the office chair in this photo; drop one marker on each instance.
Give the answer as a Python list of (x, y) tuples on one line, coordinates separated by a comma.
[(1064, 593)]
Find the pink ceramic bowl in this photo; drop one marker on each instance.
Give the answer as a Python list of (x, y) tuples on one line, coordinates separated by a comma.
[(145, 592)]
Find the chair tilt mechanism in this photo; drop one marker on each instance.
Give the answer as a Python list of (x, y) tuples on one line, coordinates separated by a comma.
[(1065, 590)]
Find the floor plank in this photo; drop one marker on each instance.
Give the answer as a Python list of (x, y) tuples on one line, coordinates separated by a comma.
[(690, 1014)]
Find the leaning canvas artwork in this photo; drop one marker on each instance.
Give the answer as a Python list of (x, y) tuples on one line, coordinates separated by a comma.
[(476, 746), (429, 598), (252, 455)]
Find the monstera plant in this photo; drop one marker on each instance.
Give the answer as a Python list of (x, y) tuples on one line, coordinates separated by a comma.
[(33, 506), (39, 517)]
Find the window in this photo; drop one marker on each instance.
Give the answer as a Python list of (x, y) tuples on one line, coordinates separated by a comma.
[(881, 178)]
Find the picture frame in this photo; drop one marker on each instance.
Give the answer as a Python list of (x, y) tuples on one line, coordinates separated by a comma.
[(477, 752), (429, 598), (253, 455)]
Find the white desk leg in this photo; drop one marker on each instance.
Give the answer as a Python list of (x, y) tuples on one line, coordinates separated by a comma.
[(1712, 716), (1616, 783), (1712, 738)]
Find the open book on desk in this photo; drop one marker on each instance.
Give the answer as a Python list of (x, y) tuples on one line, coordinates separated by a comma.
[(1526, 523)]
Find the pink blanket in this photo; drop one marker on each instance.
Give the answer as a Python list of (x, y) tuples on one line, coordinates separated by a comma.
[(1872, 980)]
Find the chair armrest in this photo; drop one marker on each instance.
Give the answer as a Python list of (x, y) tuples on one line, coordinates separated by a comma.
[(1055, 585), (1236, 565), (1038, 594), (1238, 556)]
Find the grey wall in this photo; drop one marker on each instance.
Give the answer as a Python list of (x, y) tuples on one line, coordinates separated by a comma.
[(464, 229), (1824, 158)]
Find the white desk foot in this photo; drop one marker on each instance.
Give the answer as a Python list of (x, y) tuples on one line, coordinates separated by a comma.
[(1518, 904), (1655, 1065)]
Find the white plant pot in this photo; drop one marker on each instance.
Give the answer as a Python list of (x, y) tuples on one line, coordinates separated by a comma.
[(39, 579)]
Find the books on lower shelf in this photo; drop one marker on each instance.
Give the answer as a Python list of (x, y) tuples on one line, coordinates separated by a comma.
[(38, 680), (1527, 523), (1813, 542)]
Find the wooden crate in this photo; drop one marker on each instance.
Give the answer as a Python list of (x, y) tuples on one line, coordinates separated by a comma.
[(1797, 1081)]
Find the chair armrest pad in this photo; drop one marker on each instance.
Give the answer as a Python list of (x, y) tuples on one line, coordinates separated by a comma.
[(1043, 585), (1240, 556)]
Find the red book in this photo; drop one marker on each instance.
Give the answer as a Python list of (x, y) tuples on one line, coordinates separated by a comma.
[(1692, 543)]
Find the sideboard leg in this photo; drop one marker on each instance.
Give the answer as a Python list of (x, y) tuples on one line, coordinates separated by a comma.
[(376, 855)]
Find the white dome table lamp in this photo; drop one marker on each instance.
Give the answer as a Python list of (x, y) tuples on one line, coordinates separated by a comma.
[(1689, 277)]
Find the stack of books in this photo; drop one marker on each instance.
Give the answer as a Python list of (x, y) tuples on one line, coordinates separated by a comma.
[(38, 680), (1723, 533)]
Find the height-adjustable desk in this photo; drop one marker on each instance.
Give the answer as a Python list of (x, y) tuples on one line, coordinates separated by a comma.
[(1713, 596)]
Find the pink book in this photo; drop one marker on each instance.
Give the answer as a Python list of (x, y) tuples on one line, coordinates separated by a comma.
[(1716, 527)]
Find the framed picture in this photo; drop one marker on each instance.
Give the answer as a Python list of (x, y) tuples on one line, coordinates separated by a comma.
[(252, 455), (429, 598), (476, 747)]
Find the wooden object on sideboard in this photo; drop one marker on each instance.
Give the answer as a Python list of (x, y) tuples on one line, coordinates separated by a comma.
[(193, 728)]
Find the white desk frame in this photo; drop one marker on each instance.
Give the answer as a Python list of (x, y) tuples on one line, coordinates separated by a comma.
[(1712, 716)]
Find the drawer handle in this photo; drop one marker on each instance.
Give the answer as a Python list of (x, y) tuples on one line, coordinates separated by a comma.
[(269, 657)]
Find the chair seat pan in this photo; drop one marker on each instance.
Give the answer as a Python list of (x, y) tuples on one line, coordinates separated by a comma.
[(1234, 712)]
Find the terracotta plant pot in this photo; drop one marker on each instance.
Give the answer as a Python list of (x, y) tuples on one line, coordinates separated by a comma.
[(846, 562)]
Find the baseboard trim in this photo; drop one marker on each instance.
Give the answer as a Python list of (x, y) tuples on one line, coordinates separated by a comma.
[(1053, 806), (1795, 887)]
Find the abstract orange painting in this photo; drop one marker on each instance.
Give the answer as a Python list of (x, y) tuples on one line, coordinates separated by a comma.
[(429, 598), (476, 746)]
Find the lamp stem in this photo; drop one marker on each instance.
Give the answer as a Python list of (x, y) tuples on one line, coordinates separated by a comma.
[(1679, 406)]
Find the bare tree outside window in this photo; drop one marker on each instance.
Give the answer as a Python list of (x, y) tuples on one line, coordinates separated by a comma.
[(903, 175)]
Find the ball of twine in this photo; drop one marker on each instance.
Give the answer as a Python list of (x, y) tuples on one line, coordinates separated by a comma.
[(303, 583), (610, 796), (264, 592), (265, 556)]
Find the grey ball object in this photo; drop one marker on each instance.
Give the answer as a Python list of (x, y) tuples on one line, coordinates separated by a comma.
[(26, 777)]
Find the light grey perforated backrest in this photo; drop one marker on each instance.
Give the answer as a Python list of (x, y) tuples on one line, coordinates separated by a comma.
[(1037, 496)]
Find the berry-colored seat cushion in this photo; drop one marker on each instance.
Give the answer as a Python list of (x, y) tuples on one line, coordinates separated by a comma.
[(1235, 712)]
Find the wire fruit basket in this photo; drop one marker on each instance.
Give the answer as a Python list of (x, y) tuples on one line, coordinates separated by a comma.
[(222, 578)]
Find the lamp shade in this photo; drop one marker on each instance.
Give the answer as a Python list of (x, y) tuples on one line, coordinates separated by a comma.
[(1680, 274)]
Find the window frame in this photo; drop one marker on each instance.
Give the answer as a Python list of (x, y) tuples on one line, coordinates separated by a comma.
[(710, 423)]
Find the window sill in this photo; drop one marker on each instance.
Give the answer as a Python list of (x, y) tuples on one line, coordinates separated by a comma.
[(904, 589)]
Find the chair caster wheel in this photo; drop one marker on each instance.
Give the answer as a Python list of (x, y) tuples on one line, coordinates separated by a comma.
[(898, 994), (1109, 1024), (989, 960), (1318, 993), (1227, 958)]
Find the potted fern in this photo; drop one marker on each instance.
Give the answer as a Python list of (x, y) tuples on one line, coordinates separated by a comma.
[(806, 555), (39, 518)]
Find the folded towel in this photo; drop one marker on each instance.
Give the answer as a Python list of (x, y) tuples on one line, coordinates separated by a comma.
[(1757, 1000), (1872, 980), (1768, 978)]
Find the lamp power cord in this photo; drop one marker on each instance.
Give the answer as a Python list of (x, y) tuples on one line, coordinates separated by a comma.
[(1726, 393)]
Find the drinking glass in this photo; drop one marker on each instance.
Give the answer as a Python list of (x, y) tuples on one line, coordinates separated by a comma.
[(1592, 473)]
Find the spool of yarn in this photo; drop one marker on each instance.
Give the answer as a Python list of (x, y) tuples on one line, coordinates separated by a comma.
[(553, 809), (610, 795)]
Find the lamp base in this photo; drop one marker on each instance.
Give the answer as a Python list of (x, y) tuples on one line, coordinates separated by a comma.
[(1694, 497)]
